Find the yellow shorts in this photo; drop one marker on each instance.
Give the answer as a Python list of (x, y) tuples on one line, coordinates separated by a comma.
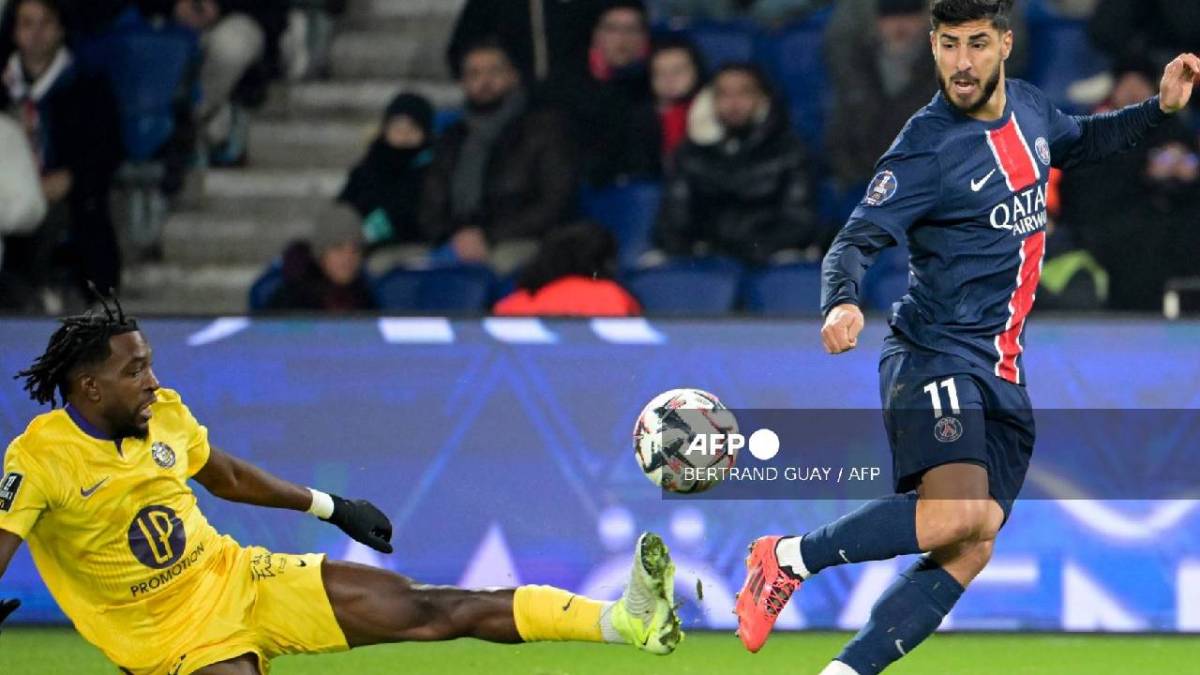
[(270, 604)]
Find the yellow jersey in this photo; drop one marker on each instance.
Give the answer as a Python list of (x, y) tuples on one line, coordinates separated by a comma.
[(114, 528)]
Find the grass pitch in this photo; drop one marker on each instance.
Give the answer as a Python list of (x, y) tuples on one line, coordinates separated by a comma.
[(50, 651)]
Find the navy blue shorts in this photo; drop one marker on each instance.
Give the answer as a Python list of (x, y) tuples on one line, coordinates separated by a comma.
[(940, 409)]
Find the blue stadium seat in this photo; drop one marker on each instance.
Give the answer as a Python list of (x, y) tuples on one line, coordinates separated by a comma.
[(444, 289), (444, 118), (686, 287), (785, 289), (795, 59), (265, 286), (152, 69), (1060, 53), (629, 212), (723, 42)]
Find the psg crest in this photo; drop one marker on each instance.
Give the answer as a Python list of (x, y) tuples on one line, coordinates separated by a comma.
[(163, 455), (947, 429), (1043, 150)]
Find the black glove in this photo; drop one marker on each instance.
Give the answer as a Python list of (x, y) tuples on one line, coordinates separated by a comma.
[(363, 522), (9, 606)]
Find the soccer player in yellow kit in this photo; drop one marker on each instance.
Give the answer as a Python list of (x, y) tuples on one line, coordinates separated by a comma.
[(99, 489)]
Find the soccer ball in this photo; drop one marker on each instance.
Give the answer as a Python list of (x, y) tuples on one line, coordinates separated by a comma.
[(665, 435)]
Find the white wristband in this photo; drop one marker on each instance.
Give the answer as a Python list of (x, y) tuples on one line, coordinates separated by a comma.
[(322, 504)]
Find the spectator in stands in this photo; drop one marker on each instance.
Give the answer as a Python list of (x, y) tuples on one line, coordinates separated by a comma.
[(71, 122), (878, 89), (549, 43), (571, 276), (22, 205), (743, 194), (1137, 212), (82, 19), (305, 46), (767, 12), (676, 77), (325, 274), (852, 28), (610, 106), (503, 176), (385, 187), (236, 36), (1156, 30)]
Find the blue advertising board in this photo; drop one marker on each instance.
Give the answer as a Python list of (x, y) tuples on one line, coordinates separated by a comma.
[(501, 449)]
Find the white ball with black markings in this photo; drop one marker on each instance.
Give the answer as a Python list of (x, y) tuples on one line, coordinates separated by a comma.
[(665, 440)]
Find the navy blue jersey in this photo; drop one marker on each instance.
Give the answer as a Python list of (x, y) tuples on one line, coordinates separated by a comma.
[(969, 197)]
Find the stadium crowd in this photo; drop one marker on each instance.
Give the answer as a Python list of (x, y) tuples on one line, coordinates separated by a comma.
[(611, 156)]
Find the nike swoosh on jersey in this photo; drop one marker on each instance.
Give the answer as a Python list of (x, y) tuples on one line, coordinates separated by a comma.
[(88, 492), (977, 185)]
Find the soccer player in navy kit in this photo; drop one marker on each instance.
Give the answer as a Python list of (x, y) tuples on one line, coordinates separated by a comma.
[(964, 185)]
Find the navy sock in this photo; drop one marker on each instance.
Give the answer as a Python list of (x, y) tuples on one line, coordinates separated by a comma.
[(907, 613), (878, 530)]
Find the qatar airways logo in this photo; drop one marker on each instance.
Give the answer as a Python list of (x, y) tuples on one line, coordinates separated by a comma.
[(1024, 213)]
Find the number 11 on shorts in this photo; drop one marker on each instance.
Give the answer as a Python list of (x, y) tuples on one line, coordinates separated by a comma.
[(951, 393)]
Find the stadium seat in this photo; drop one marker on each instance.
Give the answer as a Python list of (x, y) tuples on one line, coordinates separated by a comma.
[(686, 287), (795, 59), (265, 286), (152, 70), (723, 42), (629, 212), (785, 289), (1060, 54), (445, 118), (443, 289)]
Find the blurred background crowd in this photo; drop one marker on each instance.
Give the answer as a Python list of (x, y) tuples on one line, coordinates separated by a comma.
[(523, 157)]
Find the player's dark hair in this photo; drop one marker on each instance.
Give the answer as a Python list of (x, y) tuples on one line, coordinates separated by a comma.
[(955, 12), (80, 340)]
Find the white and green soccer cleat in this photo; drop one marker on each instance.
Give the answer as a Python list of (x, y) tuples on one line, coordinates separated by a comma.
[(645, 615)]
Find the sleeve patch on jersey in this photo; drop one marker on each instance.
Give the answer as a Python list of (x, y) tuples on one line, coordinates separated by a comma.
[(882, 188), (9, 485)]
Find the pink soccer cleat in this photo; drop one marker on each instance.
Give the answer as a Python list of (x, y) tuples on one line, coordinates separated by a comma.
[(764, 595)]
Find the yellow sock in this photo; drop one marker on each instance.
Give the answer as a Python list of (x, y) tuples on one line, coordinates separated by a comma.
[(545, 613)]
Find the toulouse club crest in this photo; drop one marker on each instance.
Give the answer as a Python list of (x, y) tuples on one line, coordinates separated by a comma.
[(1043, 150), (163, 455)]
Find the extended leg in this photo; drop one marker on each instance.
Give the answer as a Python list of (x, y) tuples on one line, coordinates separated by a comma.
[(953, 507), (374, 606)]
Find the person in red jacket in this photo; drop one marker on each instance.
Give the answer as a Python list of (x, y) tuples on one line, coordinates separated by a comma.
[(571, 276)]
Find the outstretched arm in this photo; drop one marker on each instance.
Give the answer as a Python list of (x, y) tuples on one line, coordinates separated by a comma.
[(1091, 138), (9, 543), (235, 480), (853, 251)]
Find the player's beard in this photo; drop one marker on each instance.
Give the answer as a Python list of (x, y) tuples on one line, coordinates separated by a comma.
[(989, 90), (129, 428)]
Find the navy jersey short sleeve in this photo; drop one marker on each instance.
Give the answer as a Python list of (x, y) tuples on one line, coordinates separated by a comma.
[(905, 189)]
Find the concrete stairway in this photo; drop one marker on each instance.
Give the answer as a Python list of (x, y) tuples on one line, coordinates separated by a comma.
[(301, 146)]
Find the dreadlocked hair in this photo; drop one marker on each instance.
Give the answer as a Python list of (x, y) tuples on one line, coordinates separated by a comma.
[(80, 340)]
